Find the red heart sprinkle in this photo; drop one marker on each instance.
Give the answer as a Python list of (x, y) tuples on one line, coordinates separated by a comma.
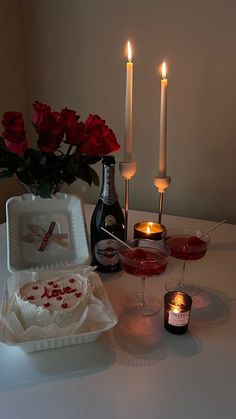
[(71, 280), (67, 289), (78, 294), (45, 293), (64, 305), (50, 282), (55, 285), (35, 287), (55, 293), (30, 298), (46, 304)]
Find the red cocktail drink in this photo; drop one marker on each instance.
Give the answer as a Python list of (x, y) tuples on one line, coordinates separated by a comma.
[(185, 244), (143, 261), (143, 258), (187, 248)]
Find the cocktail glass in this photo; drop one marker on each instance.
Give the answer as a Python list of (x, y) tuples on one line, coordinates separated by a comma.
[(146, 258), (185, 244)]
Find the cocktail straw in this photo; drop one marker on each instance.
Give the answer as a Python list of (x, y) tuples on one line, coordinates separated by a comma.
[(212, 228), (114, 237)]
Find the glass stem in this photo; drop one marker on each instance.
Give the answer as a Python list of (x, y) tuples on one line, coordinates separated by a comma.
[(141, 294), (183, 274)]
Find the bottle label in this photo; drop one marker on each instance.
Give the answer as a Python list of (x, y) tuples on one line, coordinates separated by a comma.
[(178, 319), (106, 252)]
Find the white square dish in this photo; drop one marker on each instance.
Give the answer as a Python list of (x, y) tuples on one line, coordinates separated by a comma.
[(46, 233)]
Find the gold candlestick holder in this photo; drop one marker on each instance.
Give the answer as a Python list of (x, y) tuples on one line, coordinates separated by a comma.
[(127, 170), (161, 183)]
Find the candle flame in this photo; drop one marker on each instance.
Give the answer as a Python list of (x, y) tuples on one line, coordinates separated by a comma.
[(179, 300), (176, 310), (148, 231), (129, 51), (163, 70)]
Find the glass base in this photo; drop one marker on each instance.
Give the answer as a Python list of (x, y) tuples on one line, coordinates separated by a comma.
[(134, 305), (189, 288)]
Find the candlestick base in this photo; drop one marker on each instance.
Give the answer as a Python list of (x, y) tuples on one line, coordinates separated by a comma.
[(162, 183), (127, 169)]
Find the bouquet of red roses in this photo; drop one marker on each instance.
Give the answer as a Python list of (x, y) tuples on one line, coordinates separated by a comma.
[(66, 148)]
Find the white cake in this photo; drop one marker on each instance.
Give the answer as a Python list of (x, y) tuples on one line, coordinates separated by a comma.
[(59, 300)]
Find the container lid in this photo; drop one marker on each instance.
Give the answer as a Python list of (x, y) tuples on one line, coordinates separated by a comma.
[(46, 233)]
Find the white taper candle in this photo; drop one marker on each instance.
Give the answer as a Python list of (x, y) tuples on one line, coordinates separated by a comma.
[(128, 107), (163, 124)]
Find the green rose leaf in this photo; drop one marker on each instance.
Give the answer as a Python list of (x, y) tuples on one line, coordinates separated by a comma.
[(94, 175)]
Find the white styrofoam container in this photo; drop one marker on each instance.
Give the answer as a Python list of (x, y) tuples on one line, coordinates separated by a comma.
[(28, 220), (50, 343)]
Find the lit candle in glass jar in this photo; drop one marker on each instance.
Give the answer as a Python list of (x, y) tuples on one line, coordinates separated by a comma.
[(177, 312), (148, 230)]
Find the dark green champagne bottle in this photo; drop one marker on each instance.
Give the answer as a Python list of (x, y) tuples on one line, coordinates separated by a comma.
[(107, 214)]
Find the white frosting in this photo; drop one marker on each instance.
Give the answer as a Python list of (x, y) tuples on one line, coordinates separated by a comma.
[(60, 300)]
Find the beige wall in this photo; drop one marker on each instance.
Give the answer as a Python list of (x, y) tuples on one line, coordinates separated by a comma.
[(12, 77), (75, 58)]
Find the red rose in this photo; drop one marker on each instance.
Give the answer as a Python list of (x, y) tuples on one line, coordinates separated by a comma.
[(40, 113), (50, 133), (14, 133), (71, 126), (98, 139)]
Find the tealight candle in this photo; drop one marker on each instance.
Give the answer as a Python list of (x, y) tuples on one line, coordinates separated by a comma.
[(148, 230), (177, 312)]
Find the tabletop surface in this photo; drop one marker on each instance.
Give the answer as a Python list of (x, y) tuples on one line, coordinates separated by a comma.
[(138, 370)]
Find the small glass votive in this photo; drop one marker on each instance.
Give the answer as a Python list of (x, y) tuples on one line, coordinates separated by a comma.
[(177, 309), (149, 230)]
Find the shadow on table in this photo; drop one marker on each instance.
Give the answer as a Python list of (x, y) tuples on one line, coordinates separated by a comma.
[(210, 308), (21, 369), (141, 341)]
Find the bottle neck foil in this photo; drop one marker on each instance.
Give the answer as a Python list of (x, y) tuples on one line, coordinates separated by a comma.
[(108, 194)]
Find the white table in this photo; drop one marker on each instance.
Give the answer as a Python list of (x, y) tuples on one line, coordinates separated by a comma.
[(124, 375)]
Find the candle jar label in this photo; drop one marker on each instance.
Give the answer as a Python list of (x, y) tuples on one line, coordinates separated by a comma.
[(178, 319)]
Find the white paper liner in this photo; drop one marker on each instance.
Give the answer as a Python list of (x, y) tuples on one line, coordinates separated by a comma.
[(95, 315)]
